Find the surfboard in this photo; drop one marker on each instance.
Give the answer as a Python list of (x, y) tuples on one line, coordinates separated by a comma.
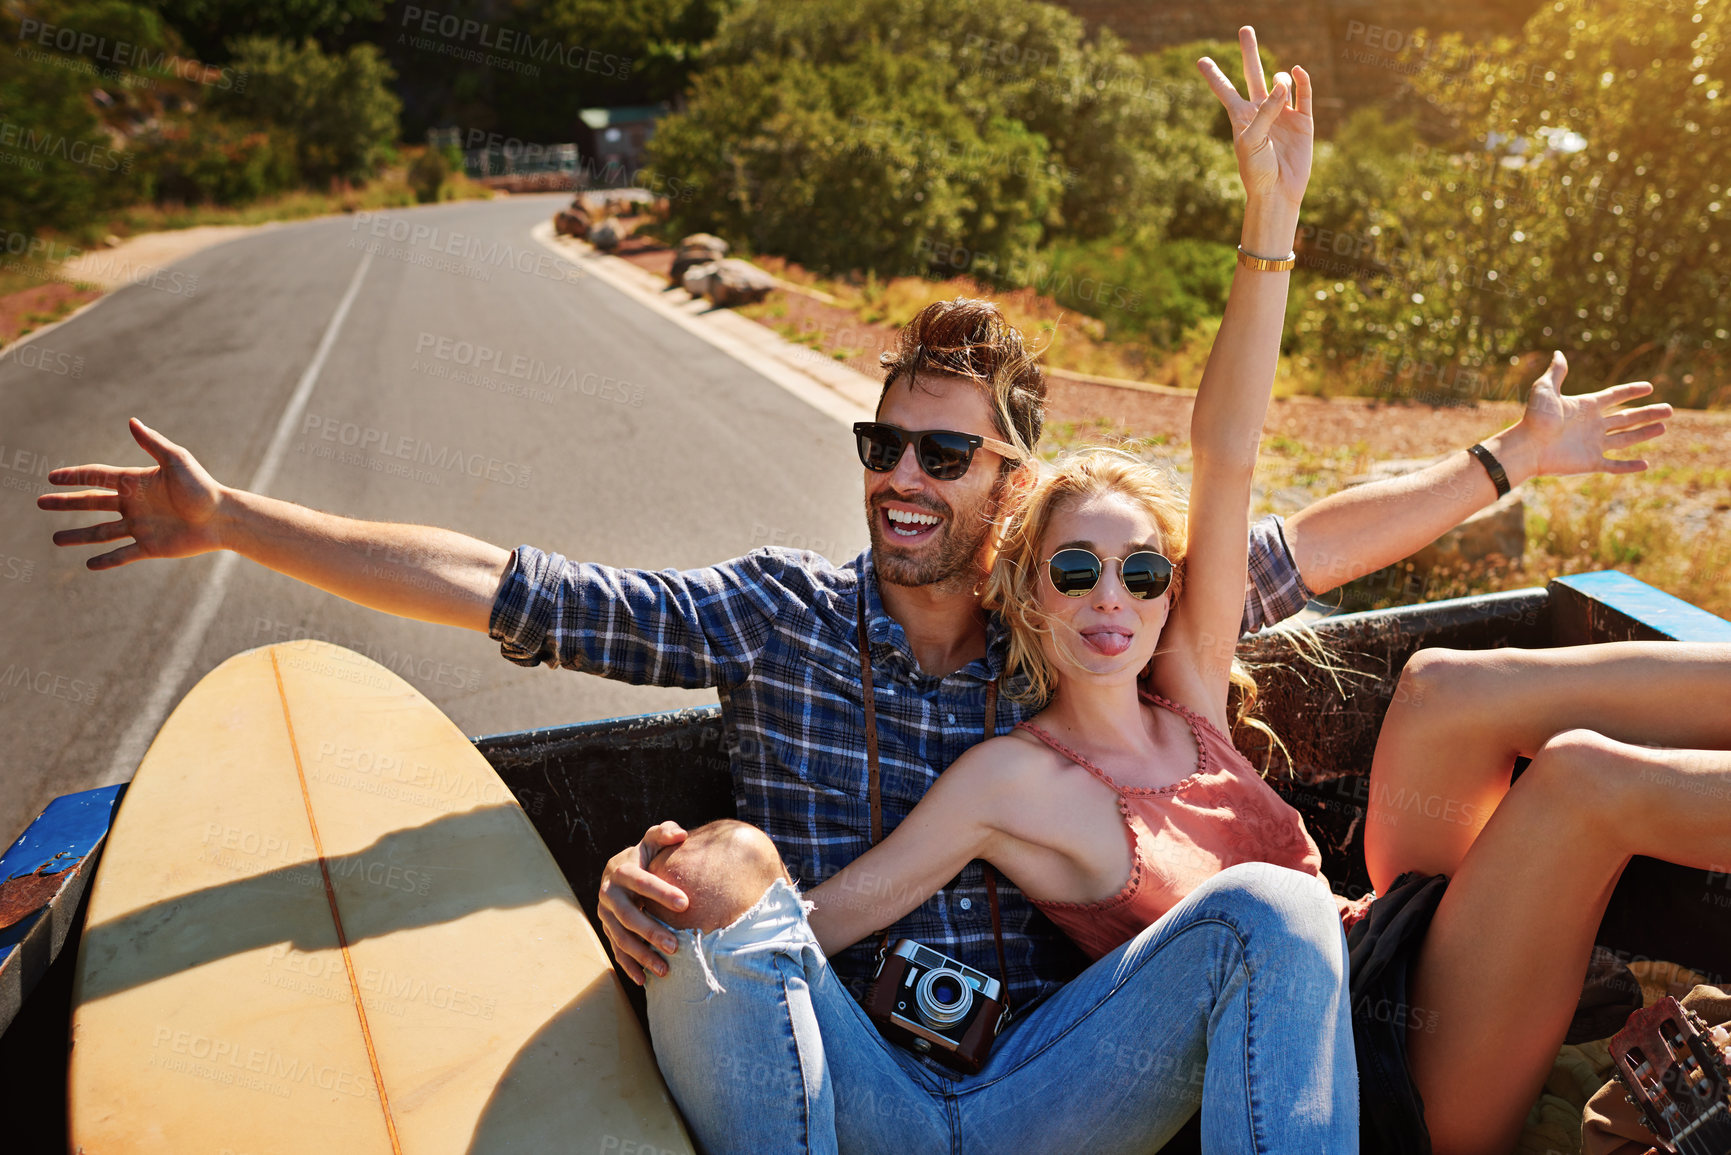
[(323, 924)]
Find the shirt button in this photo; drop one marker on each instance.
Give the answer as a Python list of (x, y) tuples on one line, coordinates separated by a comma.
[(951, 718), (966, 904)]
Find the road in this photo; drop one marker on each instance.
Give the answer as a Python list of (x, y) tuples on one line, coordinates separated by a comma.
[(597, 429)]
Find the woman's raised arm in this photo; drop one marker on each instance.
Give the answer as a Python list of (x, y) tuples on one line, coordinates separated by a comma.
[(1273, 134)]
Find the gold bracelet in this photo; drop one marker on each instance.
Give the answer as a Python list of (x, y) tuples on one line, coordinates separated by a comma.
[(1266, 264)]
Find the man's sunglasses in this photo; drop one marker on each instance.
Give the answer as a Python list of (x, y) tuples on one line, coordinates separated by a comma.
[(943, 453), (1146, 574)]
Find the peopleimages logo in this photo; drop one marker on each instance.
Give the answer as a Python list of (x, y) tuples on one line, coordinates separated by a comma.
[(456, 29), (59, 146), (126, 55)]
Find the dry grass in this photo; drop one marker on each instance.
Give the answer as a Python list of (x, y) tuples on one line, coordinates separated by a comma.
[(1071, 340)]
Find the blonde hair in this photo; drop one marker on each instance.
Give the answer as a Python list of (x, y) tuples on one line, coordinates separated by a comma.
[(1013, 587)]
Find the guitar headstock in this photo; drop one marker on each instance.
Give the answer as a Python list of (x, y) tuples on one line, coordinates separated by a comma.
[(1676, 1072)]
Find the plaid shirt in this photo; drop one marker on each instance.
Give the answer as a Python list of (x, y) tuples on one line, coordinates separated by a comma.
[(775, 633)]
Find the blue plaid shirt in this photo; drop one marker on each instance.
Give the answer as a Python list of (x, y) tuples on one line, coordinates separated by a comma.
[(775, 633)]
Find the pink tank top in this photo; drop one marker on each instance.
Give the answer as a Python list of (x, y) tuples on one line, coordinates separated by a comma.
[(1181, 835)]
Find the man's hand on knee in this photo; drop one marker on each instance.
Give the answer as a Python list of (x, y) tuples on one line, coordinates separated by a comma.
[(723, 869), (626, 885)]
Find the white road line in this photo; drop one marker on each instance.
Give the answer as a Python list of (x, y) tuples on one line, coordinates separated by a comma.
[(189, 638)]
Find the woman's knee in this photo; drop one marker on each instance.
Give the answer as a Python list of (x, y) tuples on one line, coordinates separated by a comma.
[(1437, 675), (1583, 779), (1297, 908)]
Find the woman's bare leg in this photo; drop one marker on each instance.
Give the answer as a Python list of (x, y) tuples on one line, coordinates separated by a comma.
[(1495, 983), (1460, 718)]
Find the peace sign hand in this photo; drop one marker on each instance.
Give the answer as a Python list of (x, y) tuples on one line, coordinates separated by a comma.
[(1272, 131)]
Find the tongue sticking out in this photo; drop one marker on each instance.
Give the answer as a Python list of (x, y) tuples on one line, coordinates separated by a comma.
[(1108, 642)]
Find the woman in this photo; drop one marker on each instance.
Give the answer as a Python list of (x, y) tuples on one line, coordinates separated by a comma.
[(1113, 803)]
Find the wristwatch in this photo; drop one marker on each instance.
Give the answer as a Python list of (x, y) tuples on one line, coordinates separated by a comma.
[(1266, 264)]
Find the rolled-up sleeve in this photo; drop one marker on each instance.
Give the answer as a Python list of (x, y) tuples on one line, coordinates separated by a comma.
[(1275, 590), (692, 628)]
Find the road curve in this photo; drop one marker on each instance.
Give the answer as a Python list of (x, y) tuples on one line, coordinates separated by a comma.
[(593, 426)]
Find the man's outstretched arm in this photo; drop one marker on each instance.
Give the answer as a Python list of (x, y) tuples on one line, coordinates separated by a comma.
[(1360, 530), (176, 509)]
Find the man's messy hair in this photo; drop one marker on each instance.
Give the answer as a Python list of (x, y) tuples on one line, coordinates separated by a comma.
[(971, 338)]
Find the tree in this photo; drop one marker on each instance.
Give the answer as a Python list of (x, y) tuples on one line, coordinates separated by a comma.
[(958, 138), (339, 108), (1577, 199), (64, 159), (860, 165), (209, 25)]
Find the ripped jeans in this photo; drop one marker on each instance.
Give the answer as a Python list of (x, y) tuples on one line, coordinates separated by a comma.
[(1234, 1002)]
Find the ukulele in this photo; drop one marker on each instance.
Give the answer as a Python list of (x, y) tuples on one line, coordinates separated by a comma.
[(1675, 1072)]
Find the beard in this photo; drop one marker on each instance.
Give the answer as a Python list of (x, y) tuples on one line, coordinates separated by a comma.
[(951, 559)]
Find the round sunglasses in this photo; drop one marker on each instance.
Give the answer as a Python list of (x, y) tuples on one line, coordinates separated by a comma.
[(1074, 571), (944, 454)]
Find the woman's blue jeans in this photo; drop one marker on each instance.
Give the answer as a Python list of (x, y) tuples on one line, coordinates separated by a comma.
[(1234, 1003)]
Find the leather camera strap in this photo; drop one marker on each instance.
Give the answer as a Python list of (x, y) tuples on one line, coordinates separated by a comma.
[(874, 790)]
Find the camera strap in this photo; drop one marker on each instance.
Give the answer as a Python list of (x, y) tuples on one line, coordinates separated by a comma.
[(875, 789)]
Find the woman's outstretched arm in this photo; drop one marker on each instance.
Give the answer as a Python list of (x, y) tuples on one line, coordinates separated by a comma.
[(1273, 143), (961, 818)]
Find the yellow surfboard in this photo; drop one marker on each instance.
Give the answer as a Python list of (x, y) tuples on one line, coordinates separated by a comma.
[(322, 924)]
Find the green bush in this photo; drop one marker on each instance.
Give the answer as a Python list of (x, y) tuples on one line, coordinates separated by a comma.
[(1143, 288), (906, 135), (863, 165), (430, 174), (339, 108), (209, 160)]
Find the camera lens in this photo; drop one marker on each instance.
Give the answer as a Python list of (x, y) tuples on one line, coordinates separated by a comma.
[(943, 996)]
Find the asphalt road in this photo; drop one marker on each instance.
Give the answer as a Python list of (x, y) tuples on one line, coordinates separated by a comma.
[(606, 432)]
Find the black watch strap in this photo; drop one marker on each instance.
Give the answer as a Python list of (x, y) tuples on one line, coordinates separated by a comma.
[(1492, 467)]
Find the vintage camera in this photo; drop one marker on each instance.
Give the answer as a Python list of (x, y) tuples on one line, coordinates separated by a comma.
[(935, 1006)]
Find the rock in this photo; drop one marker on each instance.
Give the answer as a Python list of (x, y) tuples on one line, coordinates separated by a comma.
[(1499, 530), (735, 282), (695, 278), (696, 249), (571, 223), (606, 235)]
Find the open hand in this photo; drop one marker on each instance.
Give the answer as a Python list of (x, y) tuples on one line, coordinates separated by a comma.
[(168, 510), (1272, 130), (1573, 434)]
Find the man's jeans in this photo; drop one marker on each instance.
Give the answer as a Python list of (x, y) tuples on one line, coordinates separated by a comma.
[(1235, 1001)]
